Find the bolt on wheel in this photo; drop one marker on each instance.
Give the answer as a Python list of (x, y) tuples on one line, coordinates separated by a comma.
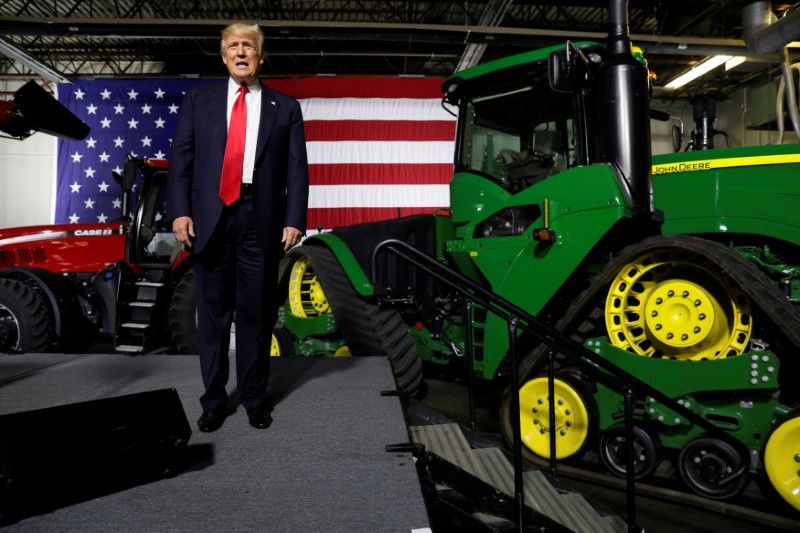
[(673, 304), (574, 417), (707, 466), (614, 451)]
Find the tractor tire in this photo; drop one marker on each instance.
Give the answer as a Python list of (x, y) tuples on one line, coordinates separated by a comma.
[(183, 315), (368, 329), (25, 323), (281, 345)]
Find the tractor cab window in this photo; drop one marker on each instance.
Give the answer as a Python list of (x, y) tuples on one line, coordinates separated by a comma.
[(517, 136), (154, 238)]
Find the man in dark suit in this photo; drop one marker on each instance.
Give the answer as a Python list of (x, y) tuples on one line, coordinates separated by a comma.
[(237, 232)]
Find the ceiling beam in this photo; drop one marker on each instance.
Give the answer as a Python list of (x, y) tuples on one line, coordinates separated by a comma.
[(47, 73)]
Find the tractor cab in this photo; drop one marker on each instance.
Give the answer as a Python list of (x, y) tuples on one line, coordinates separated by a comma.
[(514, 128)]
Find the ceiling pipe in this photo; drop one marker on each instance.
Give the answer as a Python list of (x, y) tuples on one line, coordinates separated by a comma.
[(764, 35)]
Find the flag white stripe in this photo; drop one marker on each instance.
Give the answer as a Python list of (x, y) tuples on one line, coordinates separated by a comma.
[(336, 196), (386, 152), (417, 109)]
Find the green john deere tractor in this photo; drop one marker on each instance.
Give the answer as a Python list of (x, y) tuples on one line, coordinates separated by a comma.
[(682, 270)]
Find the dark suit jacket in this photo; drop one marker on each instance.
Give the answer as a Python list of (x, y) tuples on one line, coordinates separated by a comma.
[(280, 178)]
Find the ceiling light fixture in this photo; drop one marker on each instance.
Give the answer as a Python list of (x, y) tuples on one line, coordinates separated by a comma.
[(734, 62), (698, 70)]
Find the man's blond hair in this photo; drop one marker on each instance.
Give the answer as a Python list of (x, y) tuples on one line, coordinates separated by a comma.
[(240, 28)]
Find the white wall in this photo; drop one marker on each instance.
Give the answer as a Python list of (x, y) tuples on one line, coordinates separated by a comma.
[(27, 171), (733, 117)]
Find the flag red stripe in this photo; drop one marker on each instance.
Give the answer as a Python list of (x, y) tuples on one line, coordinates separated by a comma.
[(355, 87), (379, 130), (333, 218), (377, 174)]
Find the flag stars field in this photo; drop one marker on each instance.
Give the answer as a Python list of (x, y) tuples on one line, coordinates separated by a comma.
[(122, 115)]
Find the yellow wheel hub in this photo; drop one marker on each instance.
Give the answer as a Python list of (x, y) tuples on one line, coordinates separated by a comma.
[(342, 351), (306, 297), (274, 347), (669, 304), (680, 313), (571, 418), (782, 460)]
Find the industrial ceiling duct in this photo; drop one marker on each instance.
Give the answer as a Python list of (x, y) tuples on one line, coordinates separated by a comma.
[(764, 35)]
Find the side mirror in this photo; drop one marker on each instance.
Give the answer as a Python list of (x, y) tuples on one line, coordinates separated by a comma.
[(677, 137), (131, 172), (567, 69), (561, 71)]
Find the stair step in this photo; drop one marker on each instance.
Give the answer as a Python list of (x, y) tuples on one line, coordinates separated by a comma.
[(569, 509), (148, 284), (142, 304), (448, 442), (134, 325), (129, 348), (492, 466)]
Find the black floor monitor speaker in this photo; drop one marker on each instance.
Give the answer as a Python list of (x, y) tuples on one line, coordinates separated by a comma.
[(60, 455)]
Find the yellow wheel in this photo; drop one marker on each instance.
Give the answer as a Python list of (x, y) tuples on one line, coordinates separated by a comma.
[(574, 418), (669, 303), (281, 345), (342, 351), (782, 459), (306, 297)]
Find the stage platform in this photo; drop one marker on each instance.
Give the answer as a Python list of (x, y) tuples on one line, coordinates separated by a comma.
[(321, 466)]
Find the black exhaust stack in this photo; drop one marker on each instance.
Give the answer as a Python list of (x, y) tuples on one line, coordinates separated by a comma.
[(624, 114)]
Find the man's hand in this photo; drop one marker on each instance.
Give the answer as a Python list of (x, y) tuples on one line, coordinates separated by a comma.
[(183, 228), (291, 236)]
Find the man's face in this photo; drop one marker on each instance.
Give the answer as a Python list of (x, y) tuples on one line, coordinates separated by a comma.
[(242, 58)]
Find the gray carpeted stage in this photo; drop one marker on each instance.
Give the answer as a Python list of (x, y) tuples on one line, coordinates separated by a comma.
[(320, 467)]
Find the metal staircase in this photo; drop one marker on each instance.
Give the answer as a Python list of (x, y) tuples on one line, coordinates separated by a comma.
[(485, 476), (139, 316)]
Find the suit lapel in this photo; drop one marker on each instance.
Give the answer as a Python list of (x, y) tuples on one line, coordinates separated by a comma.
[(218, 119), (269, 112)]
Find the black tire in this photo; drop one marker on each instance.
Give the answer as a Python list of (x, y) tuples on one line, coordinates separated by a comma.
[(367, 329), (25, 323), (282, 343), (183, 315)]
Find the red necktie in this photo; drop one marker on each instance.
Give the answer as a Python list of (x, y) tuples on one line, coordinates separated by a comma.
[(231, 182)]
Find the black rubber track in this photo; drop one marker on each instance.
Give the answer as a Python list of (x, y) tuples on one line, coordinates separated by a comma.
[(183, 315), (34, 322), (367, 329)]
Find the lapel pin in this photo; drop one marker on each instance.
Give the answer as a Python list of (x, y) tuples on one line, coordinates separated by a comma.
[(272, 102)]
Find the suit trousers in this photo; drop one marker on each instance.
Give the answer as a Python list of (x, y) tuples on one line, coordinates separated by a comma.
[(233, 275)]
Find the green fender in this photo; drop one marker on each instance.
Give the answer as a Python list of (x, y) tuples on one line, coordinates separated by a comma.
[(358, 278)]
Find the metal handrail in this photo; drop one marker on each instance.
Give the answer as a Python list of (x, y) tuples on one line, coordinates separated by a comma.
[(518, 318)]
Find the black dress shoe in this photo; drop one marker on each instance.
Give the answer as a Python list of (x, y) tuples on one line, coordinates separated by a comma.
[(211, 420), (258, 417)]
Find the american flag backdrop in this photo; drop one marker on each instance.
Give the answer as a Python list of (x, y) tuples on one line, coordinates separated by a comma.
[(378, 148)]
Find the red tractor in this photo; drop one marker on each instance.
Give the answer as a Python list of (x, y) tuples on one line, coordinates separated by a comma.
[(61, 284)]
